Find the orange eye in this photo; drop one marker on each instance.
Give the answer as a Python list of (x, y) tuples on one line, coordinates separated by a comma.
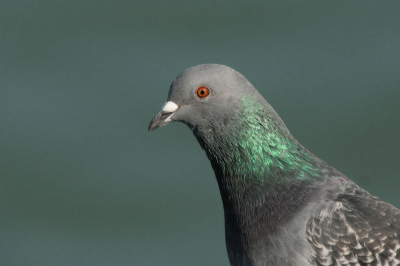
[(203, 92)]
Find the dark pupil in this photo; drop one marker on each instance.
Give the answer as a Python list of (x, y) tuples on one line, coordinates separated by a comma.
[(202, 92)]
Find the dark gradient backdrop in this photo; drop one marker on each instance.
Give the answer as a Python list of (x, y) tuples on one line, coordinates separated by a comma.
[(82, 182)]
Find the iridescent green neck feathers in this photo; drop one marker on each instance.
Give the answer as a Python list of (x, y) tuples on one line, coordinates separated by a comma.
[(255, 143)]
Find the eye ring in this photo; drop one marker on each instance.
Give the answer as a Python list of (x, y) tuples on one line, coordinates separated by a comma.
[(202, 91)]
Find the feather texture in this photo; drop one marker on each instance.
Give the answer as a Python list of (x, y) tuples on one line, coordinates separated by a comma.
[(355, 228)]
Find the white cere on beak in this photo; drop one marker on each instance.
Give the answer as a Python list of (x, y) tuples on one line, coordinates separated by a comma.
[(169, 107)]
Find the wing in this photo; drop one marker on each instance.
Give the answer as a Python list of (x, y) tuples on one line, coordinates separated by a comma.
[(355, 229)]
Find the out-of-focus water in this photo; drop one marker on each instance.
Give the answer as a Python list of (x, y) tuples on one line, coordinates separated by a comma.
[(82, 182)]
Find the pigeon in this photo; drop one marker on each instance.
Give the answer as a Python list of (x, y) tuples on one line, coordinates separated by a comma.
[(282, 204)]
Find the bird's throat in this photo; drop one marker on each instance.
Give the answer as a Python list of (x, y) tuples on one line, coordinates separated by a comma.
[(254, 147)]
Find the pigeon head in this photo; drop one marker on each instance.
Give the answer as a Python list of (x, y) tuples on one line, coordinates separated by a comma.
[(204, 95), (240, 132)]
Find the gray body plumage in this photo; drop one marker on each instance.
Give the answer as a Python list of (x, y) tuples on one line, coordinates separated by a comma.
[(282, 204)]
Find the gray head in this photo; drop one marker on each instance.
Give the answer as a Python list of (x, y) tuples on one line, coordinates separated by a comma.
[(203, 94)]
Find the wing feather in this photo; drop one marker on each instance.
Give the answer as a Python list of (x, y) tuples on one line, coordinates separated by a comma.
[(355, 229)]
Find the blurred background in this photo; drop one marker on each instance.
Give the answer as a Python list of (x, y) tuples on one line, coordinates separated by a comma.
[(82, 182)]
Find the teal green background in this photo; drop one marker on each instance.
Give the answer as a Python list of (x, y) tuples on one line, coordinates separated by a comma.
[(82, 182)]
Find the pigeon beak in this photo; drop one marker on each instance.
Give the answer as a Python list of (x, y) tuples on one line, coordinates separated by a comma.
[(164, 116)]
